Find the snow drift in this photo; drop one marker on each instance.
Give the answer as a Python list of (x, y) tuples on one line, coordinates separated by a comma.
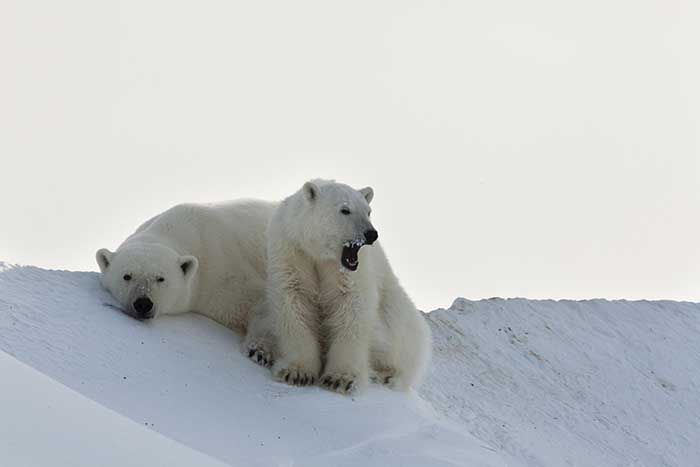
[(513, 382), (589, 383)]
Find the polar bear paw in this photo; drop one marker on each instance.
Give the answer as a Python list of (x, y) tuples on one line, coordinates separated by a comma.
[(295, 376), (343, 383), (261, 356), (385, 376)]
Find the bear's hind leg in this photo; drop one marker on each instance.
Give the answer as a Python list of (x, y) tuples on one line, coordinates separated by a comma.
[(401, 344), (384, 376)]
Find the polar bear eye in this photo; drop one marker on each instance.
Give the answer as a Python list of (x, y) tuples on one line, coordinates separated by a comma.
[(161, 279), (127, 277), (345, 211)]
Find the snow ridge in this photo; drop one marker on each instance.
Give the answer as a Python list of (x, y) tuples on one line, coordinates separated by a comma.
[(185, 378), (572, 382), (512, 382)]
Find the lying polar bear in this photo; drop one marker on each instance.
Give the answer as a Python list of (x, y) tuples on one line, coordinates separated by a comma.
[(205, 258), (334, 310)]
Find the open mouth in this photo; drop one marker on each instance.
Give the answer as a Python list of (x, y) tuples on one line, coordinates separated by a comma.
[(349, 257)]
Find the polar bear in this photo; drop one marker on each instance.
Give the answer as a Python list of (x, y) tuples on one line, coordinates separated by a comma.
[(205, 258), (334, 311)]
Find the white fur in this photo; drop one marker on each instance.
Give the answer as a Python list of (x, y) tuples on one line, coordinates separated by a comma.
[(321, 320), (222, 247)]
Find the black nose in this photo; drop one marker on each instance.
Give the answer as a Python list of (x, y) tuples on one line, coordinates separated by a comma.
[(371, 236), (143, 305)]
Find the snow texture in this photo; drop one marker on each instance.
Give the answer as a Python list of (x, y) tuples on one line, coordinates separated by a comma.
[(585, 383), (185, 378), (45, 423), (513, 382)]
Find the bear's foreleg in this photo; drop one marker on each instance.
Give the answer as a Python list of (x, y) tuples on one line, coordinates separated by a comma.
[(295, 318), (347, 360), (260, 343)]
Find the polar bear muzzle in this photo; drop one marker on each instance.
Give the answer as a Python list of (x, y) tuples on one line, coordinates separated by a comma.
[(349, 257), (351, 249), (143, 308), (371, 236)]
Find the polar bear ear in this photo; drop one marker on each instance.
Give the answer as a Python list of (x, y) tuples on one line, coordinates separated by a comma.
[(189, 265), (103, 257), (368, 193), (310, 191)]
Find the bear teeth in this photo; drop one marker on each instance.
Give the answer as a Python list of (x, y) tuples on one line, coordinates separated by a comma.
[(349, 257), (356, 243)]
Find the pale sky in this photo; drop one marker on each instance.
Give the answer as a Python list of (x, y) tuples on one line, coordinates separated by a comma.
[(543, 149)]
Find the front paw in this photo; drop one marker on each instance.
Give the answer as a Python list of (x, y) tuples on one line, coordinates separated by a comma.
[(261, 356), (343, 383), (295, 375)]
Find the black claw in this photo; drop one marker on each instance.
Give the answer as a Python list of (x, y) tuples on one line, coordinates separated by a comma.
[(348, 386), (259, 358), (387, 379), (313, 380), (295, 380), (251, 352), (286, 378), (335, 386)]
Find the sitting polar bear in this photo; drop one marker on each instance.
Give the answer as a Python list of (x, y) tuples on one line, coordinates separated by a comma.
[(208, 259), (334, 310)]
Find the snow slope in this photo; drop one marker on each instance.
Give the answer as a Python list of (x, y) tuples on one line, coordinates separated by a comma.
[(591, 383), (45, 423), (513, 382), (185, 378)]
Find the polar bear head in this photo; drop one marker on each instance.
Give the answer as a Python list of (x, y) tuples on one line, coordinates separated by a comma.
[(148, 279), (334, 222)]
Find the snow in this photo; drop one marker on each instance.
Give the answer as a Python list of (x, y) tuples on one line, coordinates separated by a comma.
[(513, 382), (185, 378), (45, 423), (555, 383)]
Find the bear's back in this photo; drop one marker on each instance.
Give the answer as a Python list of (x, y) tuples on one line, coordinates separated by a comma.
[(194, 228)]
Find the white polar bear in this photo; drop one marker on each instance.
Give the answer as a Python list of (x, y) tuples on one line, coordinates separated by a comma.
[(332, 305), (209, 259)]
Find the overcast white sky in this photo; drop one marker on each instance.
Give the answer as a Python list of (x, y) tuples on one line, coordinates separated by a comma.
[(545, 149)]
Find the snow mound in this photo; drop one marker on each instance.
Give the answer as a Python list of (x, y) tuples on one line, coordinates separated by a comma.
[(46, 424), (591, 383), (185, 379), (513, 382)]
